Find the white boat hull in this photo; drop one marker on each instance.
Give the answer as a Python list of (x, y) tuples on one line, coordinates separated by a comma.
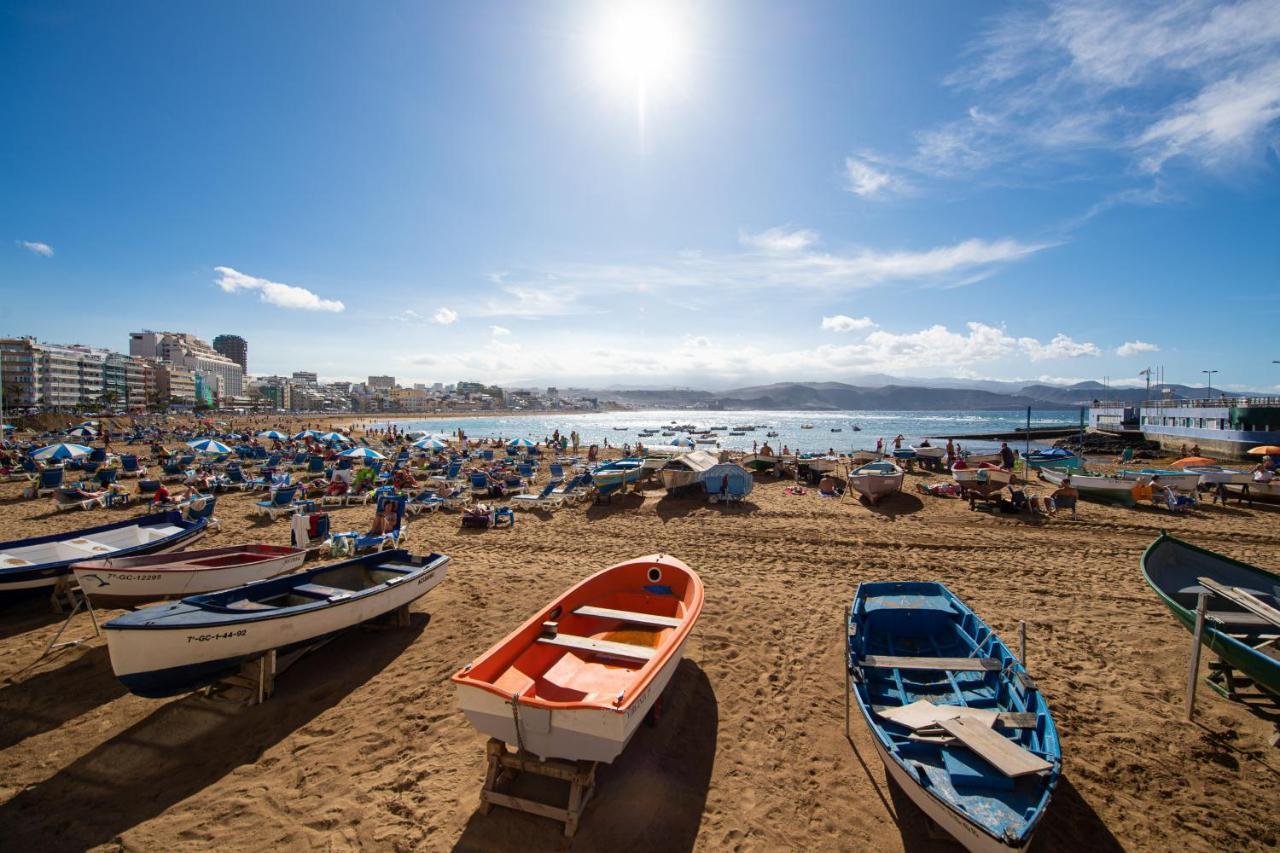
[(158, 648), (1269, 492), (969, 836), (158, 584), (572, 734), (875, 487), (1223, 476), (50, 580)]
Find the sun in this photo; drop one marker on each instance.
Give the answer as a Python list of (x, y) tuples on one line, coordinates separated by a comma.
[(640, 49)]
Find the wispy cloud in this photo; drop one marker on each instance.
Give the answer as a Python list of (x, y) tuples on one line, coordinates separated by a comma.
[(1061, 346), (779, 240), (36, 247), (499, 331), (444, 316), (1195, 81), (274, 293), (866, 178), (844, 323), (1129, 348)]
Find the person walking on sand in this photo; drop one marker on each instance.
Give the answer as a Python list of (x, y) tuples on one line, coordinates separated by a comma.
[(897, 441)]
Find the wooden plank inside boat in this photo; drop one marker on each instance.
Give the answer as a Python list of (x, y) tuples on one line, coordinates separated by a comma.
[(603, 647), (996, 749), (944, 664), (628, 616)]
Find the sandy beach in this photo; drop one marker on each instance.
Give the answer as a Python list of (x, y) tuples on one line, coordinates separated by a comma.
[(363, 746)]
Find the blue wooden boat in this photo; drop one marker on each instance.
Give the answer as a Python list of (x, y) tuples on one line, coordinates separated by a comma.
[(1054, 457), (179, 647), (955, 718), (612, 476), (36, 563)]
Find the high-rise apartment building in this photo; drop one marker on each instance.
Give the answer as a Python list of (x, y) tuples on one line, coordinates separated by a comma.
[(235, 348), (188, 351)]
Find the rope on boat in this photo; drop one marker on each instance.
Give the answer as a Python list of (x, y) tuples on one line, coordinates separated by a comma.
[(515, 716)]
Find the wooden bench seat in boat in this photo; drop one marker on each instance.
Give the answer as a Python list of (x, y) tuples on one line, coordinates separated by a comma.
[(246, 604), (943, 664), (603, 647), (321, 590), (629, 616)]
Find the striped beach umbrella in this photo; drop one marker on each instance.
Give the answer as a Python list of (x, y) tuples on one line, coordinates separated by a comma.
[(306, 433), (361, 453), (430, 443), (521, 442), (276, 435), (82, 432), (60, 450), (211, 446), (682, 442), (333, 437)]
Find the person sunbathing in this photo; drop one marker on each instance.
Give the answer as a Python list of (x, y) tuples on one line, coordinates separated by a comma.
[(384, 522)]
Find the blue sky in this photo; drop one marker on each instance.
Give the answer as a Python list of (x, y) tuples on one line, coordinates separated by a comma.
[(803, 190)]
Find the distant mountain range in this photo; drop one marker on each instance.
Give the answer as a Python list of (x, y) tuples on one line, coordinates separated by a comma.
[(894, 394)]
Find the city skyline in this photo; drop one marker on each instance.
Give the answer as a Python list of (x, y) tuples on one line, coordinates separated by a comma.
[(1053, 192)]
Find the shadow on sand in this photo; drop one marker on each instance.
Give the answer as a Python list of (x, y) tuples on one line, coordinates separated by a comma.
[(26, 611), (896, 504), (651, 798), (186, 745), (44, 701)]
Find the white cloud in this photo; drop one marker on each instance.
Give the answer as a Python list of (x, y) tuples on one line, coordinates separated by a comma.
[(444, 316), (37, 247), (779, 240), (1194, 80), (868, 180), (1060, 347), (844, 323), (1129, 348), (499, 331), (274, 293)]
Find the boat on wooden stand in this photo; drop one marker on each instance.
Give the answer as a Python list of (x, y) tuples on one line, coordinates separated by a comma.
[(127, 581), (175, 648), (1093, 487), (960, 726), (577, 678), (875, 481)]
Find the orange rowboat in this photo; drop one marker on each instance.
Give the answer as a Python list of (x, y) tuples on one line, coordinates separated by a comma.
[(576, 680)]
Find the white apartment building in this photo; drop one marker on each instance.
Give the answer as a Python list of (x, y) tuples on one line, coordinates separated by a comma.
[(184, 350)]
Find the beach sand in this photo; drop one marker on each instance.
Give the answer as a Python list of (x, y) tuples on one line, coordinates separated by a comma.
[(363, 746)]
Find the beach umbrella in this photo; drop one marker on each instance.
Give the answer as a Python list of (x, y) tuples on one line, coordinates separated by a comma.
[(1193, 460), (61, 451), (333, 437), (361, 453), (306, 433), (682, 442), (521, 442), (82, 432), (272, 434), (209, 446), (1265, 450), (9, 427), (430, 444), (420, 433)]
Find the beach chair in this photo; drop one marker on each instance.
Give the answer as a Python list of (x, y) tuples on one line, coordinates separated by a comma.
[(456, 499), (514, 485), (234, 479), (98, 455), (173, 471), (148, 486), (105, 476), (26, 470), (546, 499), (129, 466), (527, 473), (479, 483), (556, 471), (49, 481), (74, 497), (280, 503), (354, 543), (450, 473), (201, 506), (424, 502)]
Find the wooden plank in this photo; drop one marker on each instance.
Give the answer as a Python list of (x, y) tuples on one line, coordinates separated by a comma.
[(629, 616), (997, 750), (525, 805), (602, 647), (1244, 598), (923, 714), (941, 664), (1018, 720)]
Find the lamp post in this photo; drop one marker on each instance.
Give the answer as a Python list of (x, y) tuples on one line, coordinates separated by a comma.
[(1210, 374)]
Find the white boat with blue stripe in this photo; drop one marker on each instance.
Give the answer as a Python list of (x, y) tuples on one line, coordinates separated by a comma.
[(175, 648), (960, 726)]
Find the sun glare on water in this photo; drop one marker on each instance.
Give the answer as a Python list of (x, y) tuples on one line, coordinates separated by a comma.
[(640, 51)]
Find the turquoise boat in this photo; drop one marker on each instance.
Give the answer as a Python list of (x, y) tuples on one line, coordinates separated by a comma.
[(612, 476), (955, 718), (1053, 458), (1173, 568)]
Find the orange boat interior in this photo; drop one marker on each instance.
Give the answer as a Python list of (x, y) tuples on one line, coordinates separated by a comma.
[(606, 632)]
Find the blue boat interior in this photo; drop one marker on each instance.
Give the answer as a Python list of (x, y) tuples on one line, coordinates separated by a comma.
[(926, 620)]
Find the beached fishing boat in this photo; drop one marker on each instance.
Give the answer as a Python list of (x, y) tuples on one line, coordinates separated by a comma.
[(975, 459), (983, 482), (1213, 475), (612, 476), (576, 680), (929, 452), (1054, 457), (1093, 487), (130, 580), (686, 470), (37, 562), (1265, 492), (960, 726), (876, 480), (1179, 481), (759, 461), (1233, 632), (175, 648)]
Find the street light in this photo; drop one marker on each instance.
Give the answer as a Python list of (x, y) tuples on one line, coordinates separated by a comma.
[(1210, 372)]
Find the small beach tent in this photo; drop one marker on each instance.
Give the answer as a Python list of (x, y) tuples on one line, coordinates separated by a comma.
[(728, 480)]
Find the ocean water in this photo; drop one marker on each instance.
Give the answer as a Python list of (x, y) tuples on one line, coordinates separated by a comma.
[(620, 428)]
